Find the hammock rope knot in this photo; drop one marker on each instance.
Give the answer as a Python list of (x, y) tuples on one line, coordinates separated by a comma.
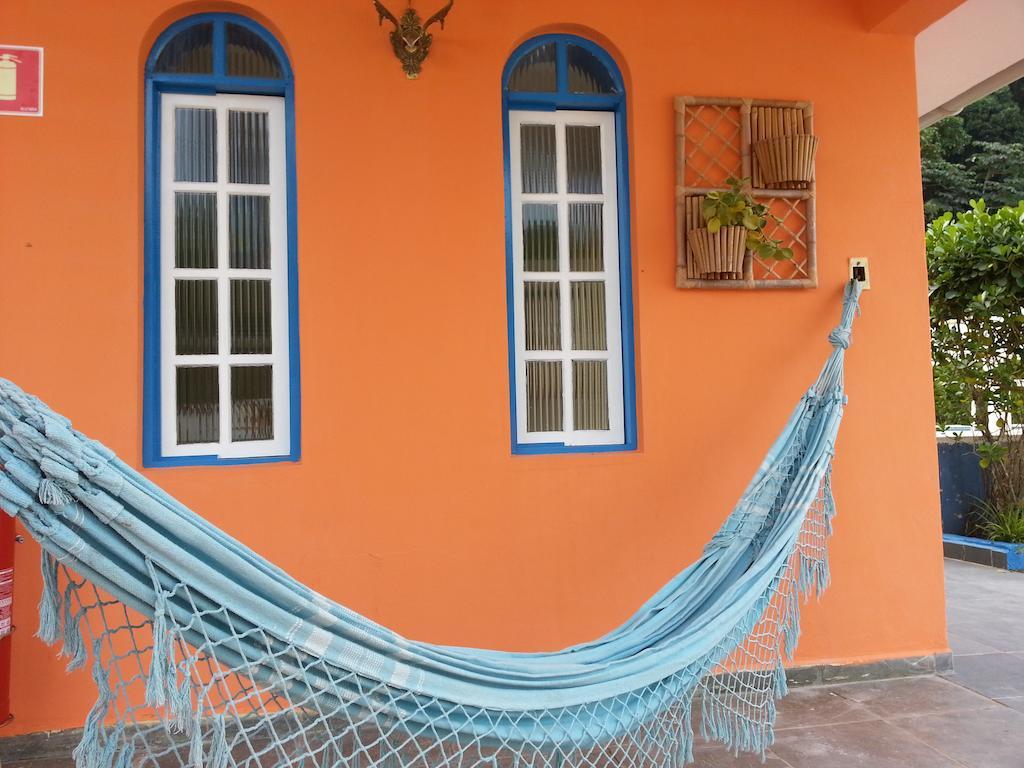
[(839, 338)]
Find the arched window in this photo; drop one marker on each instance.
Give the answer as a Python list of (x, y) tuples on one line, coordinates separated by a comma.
[(568, 258), (221, 336)]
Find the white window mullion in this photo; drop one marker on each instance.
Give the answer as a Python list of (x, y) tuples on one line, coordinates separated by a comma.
[(223, 282), (565, 310), (168, 375), (613, 309)]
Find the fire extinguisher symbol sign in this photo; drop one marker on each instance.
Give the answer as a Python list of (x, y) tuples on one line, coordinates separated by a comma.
[(21, 80)]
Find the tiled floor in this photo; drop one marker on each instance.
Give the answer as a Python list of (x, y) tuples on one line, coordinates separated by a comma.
[(970, 718)]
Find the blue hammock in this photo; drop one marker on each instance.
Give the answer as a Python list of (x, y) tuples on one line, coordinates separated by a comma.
[(205, 654)]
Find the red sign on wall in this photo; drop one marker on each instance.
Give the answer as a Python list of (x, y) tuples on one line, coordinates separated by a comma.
[(21, 80)]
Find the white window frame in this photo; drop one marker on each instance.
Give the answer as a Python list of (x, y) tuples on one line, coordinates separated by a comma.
[(277, 189), (615, 434)]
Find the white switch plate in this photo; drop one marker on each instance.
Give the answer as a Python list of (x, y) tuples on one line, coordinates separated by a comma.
[(866, 282)]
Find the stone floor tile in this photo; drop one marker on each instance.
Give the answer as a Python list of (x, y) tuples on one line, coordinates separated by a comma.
[(820, 706), (995, 675), (871, 744), (963, 642), (912, 696), (990, 738), (1013, 702), (995, 628)]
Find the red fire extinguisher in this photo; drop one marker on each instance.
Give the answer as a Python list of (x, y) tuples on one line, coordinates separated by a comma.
[(7, 539)]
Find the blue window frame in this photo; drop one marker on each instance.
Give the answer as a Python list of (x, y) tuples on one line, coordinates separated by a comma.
[(557, 89), (221, 346)]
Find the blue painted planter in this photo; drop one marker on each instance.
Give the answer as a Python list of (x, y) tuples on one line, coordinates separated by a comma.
[(998, 554)]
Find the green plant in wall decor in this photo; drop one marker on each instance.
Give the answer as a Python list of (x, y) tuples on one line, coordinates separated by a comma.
[(976, 275), (734, 223)]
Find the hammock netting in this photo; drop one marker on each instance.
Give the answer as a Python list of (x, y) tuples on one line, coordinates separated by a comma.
[(204, 654)]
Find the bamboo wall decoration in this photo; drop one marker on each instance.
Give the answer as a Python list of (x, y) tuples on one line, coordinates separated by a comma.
[(714, 140)]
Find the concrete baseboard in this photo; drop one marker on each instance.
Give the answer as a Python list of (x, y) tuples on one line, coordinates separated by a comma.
[(59, 744), (997, 554), (831, 674)]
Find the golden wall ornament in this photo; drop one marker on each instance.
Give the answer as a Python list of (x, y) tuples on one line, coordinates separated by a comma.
[(410, 38)]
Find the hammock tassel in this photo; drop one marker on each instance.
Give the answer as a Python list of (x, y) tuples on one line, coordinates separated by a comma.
[(791, 623), (52, 495), (196, 756), (88, 752), (74, 645), (156, 680), (49, 601), (195, 751), (685, 754), (113, 739), (127, 756), (781, 687), (219, 752), (180, 704)]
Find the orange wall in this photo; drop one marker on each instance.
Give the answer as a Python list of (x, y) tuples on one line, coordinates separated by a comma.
[(407, 504)]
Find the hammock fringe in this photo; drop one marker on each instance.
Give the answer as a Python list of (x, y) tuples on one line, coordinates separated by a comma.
[(49, 601), (160, 668), (74, 644), (90, 749)]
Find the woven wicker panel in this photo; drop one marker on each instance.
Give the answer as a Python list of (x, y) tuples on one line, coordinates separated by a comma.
[(714, 150), (793, 231), (714, 137)]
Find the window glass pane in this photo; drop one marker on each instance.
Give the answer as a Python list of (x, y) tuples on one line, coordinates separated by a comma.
[(195, 144), (250, 317), (195, 230), (249, 231), (543, 395), (188, 52), (583, 158), (538, 158), (535, 71), (248, 147), (586, 237), (586, 72), (540, 237), (589, 328), (543, 319), (249, 55), (198, 417), (195, 317), (590, 394), (252, 402)]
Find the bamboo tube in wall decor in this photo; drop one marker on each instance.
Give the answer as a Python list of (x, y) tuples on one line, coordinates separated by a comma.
[(787, 162), (718, 255)]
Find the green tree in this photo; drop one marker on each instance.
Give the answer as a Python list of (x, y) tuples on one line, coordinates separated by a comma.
[(976, 273), (976, 154)]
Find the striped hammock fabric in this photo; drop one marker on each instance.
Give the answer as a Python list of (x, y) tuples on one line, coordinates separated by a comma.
[(205, 654)]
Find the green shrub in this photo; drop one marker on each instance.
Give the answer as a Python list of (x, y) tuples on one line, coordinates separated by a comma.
[(1000, 523), (976, 271)]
